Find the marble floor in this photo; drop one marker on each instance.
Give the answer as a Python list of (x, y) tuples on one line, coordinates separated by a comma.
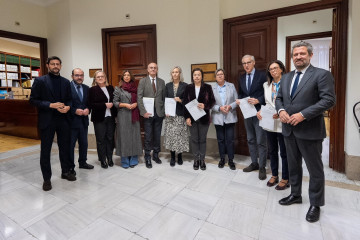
[(162, 203)]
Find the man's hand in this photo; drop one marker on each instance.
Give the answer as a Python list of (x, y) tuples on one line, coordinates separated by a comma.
[(295, 119), (275, 116), (86, 112), (284, 116), (64, 109), (188, 122), (79, 112), (57, 105), (147, 115), (253, 101)]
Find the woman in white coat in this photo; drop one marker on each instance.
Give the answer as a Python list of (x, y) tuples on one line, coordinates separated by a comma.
[(275, 70), (224, 117)]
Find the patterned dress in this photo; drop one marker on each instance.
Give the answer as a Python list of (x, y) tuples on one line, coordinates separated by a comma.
[(176, 133)]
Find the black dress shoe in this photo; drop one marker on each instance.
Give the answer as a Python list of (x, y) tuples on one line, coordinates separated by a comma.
[(157, 160), (86, 166), (68, 176), (251, 167), (72, 171), (262, 173), (221, 163), (110, 163), (148, 163), (104, 164), (196, 164), (313, 215), (47, 185), (202, 165), (231, 164), (180, 161), (172, 160), (291, 199)]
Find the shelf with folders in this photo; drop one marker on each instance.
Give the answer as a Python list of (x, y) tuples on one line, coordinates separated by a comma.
[(18, 71)]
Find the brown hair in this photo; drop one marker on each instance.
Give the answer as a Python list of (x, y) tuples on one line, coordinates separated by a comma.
[(268, 74)]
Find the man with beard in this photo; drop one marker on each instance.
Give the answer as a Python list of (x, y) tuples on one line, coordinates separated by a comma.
[(303, 96), (51, 94)]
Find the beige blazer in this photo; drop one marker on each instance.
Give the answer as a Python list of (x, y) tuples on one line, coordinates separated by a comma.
[(267, 94)]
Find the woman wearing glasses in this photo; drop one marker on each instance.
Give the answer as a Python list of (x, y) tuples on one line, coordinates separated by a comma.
[(275, 70), (103, 115)]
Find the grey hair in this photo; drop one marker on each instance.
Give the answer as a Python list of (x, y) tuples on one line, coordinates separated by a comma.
[(303, 44), (219, 70), (181, 74), (248, 56)]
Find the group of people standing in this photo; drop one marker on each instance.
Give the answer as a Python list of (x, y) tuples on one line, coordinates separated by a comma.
[(299, 100)]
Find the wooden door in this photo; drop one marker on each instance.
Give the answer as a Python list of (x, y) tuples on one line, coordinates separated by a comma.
[(130, 48), (257, 38)]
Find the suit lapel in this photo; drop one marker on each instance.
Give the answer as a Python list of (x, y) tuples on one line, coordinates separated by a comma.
[(84, 94), (287, 83), (304, 79), (243, 84), (254, 81)]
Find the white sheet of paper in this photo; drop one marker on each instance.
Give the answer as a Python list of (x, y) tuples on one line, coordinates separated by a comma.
[(170, 106), (247, 109), (149, 105), (193, 109), (267, 122)]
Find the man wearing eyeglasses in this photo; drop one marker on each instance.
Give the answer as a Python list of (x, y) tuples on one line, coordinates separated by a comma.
[(51, 94), (80, 118), (251, 85)]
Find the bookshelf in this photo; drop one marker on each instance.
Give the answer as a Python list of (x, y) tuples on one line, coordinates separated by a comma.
[(18, 71)]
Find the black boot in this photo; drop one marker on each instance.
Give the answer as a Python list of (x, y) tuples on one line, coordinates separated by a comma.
[(231, 164), (180, 161), (196, 164), (172, 160), (202, 164), (110, 162), (104, 164), (222, 163)]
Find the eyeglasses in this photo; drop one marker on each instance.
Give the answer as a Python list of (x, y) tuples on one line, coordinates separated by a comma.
[(79, 75), (219, 74), (273, 69), (247, 63), (100, 76)]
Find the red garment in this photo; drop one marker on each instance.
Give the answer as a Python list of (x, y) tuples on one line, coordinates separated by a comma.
[(131, 88)]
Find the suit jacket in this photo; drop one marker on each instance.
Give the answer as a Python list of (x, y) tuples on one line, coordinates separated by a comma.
[(206, 97), (268, 100), (218, 117), (145, 89), (314, 95), (169, 93), (97, 100), (77, 120), (256, 90), (42, 94)]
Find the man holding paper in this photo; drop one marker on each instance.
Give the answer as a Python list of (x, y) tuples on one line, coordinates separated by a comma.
[(152, 87), (251, 85)]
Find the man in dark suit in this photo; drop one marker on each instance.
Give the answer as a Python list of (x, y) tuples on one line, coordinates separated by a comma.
[(152, 87), (251, 85), (303, 96), (51, 94), (80, 118)]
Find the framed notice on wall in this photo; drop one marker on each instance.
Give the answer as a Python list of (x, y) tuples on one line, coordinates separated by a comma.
[(208, 69)]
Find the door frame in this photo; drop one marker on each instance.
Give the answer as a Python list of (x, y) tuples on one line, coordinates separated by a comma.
[(340, 38), (106, 33)]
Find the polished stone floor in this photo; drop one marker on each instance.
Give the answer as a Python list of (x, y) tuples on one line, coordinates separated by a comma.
[(161, 203)]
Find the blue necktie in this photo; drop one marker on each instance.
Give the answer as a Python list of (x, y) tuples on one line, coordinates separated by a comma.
[(295, 84), (249, 82), (79, 92)]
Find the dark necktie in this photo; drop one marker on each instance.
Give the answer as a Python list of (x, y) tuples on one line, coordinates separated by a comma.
[(249, 82), (79, 92), (296, 83), (153, 85)]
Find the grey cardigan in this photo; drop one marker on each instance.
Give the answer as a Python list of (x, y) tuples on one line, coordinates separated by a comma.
[(218, 117)]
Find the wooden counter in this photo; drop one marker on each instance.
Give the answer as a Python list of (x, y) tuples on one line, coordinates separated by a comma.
[(18, 118)]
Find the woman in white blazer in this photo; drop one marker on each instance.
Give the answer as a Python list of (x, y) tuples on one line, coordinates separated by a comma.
[(224, 117), (275, 70)]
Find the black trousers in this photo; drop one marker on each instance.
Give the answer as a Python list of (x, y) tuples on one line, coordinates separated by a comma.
[(152, 128), (198, 132), (104, 134), (225, 138), (275, 140), (311, 151), (61, 126), (81, 136)]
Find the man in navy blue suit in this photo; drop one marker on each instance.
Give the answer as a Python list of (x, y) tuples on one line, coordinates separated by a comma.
[(251, 85), (51, 94), (80, 118)]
